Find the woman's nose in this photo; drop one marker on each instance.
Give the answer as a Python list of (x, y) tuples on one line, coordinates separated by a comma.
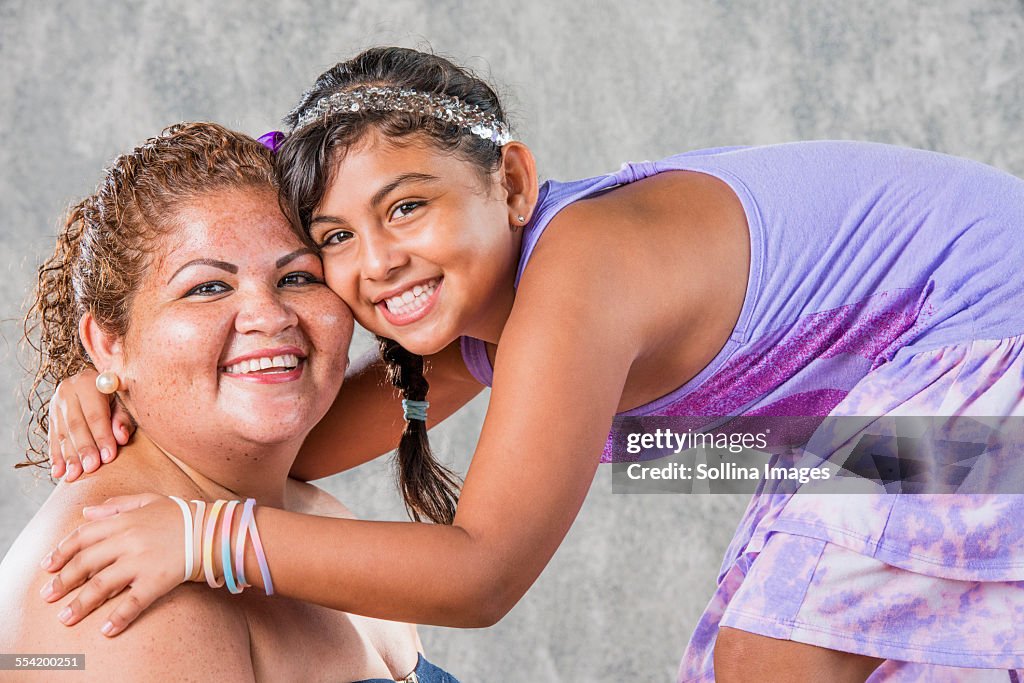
[(264, 310)]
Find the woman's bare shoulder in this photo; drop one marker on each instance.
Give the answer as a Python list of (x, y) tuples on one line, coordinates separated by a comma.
[(185, 628)]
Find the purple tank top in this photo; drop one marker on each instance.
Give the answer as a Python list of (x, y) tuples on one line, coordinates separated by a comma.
[(859, 251)]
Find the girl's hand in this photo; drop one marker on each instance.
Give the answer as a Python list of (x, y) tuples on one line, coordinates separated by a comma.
[(134, 541), (83, 434)]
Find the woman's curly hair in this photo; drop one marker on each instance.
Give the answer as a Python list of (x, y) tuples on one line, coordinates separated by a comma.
[(104, 246)]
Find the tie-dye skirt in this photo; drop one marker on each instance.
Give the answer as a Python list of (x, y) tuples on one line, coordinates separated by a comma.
[(933, 584)]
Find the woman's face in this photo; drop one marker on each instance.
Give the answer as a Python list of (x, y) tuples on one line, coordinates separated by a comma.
[(417, 243), (233, 332)]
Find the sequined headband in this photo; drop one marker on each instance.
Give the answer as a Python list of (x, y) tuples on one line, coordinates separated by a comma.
[(441, 107)]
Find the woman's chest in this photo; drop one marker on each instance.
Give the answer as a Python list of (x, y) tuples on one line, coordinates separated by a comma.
[(293, 641)]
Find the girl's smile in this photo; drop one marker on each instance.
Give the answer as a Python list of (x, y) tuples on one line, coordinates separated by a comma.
[(411, 303)]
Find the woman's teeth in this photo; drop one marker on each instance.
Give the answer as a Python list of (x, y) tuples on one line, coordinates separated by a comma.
[(411, 300), (285, 363)]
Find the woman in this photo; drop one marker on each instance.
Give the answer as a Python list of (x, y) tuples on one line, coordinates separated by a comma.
[(802, 279), (183, 281)]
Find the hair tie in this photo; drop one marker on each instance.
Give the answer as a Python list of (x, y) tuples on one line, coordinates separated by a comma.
[(415, 410), (271, 140)]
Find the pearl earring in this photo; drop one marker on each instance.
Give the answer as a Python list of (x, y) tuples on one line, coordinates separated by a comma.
[(107, 382), (521, 219)]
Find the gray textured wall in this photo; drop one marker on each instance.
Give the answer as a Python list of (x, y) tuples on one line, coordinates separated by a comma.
[(590, 85)]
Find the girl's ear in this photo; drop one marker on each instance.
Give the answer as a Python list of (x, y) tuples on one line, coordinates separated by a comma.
[(519, 178), (106, 350)]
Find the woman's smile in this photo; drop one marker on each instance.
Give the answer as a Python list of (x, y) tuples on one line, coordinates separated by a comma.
[(268, 366)]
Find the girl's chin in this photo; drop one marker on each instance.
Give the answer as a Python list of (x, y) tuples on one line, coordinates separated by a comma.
[(422, 342), (423, 345)]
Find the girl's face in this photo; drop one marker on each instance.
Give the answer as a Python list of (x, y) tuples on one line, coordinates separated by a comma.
[(233, 334), (418, 244)]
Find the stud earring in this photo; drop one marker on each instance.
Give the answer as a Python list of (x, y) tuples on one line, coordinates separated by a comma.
[(107, 382), (521, 219)]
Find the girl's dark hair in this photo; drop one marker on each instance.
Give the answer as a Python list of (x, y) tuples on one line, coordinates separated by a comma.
[(103, 249), (305, 163)]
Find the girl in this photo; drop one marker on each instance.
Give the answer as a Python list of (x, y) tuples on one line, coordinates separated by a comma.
[(801, 279)]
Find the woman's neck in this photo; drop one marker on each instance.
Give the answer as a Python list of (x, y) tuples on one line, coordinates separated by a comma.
[(252, 473)]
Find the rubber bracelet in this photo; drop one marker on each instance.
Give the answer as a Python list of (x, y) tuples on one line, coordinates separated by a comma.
[(186, 513), (261, 557), (211, 527), (225, 547), (243, 535), (197, 571)]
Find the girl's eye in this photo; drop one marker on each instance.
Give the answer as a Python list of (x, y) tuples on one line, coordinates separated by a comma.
[(208, 289), (335, 238), (405, 208), (300, 279)]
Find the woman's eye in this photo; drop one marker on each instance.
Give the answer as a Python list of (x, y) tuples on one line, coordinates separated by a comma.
[(405, 208), (208, 289), (335, 238), (300, 279)]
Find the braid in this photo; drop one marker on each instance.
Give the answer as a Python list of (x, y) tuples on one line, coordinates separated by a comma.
[(430, 489)]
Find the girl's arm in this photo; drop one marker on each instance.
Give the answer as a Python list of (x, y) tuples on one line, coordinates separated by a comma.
[(366, 419), (558, 378)]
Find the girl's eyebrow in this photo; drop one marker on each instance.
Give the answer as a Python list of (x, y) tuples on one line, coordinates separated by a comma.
[(380, 194), (383, 192)]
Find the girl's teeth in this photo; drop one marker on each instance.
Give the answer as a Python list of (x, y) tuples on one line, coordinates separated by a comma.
[(411, 299)]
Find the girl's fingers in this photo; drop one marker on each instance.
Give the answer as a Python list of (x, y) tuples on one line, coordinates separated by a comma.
[(96, 413), (88, 562), (94, 512), (122, 424), (81, 537), (72, 465), (130, 605), (58, 466), (118, 504), (80, 431), (94, 593)]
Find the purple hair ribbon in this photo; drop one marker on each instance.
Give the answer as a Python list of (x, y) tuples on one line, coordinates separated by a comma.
[(272, 140)]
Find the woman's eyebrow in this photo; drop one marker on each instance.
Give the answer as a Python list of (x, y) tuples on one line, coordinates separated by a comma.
[(223, 265), (288, 258)]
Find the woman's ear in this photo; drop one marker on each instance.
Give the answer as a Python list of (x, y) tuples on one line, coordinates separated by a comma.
[(519, 178), (106, 350)]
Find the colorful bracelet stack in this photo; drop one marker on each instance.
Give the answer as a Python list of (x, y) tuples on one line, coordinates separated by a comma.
[(200, 532)]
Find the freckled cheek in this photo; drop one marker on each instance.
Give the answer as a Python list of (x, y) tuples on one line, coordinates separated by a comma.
[(175, 352), (330, 329)]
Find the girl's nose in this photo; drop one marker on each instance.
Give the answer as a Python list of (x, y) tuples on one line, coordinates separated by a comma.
[(382, 255)]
